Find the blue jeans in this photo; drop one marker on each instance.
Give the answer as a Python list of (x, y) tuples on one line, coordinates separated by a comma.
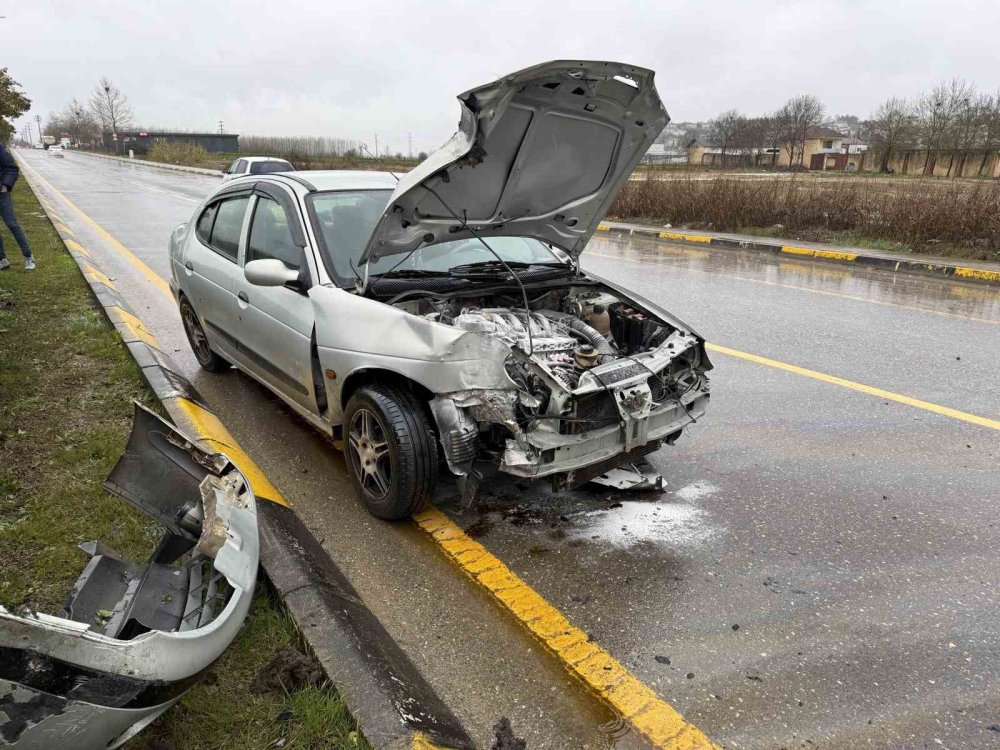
[(7, 214)]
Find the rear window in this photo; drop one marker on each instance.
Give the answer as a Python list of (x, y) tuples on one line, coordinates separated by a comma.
[(203, 229), (269, 167)]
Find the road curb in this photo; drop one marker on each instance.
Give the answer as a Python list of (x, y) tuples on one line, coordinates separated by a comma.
[(385, 692), (823, 255), (154, 164)]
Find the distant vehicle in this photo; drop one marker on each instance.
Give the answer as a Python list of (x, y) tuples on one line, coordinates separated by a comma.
[(256, 165), (57, 151), (37, 145), (48, 140)]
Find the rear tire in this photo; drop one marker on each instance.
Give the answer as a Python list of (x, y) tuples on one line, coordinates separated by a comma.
[(196, 337), (391, 451)]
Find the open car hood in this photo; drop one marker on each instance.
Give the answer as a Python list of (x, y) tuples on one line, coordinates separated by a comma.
[(539, 153)]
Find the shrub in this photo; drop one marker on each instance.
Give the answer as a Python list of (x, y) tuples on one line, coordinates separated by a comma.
[(910, 211), (176, 153)]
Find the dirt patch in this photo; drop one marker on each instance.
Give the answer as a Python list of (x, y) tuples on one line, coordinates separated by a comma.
[(289, 671)]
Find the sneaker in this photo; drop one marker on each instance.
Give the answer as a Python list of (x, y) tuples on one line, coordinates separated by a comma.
[(4, 264), (29, 264)]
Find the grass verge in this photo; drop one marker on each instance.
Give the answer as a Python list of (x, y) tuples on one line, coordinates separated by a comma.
[(66, 387)]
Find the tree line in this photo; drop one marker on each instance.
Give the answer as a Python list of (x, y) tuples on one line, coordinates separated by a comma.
[(767, 134), (952, 119)]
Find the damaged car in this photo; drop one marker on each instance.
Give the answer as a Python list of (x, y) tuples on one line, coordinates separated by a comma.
[(132, 637), (439, 321)]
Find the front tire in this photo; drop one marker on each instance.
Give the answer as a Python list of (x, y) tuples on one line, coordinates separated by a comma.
[(391, 451), (196, 337)]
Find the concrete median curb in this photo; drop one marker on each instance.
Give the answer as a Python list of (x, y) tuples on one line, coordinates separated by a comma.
[(154, 164), (393, 704), (940, 268)]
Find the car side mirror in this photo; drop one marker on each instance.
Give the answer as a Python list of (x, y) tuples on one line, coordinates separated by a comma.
[(269, 272)]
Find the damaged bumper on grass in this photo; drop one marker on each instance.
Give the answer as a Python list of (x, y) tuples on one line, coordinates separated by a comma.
[(132, 637)]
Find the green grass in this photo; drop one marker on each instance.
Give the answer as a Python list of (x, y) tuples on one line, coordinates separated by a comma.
[(66, 388)]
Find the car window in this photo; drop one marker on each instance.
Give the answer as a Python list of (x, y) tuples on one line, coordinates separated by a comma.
[(344, 222), (271, 236), (203, 229), (228, 223), (270, 167), (240, 166)]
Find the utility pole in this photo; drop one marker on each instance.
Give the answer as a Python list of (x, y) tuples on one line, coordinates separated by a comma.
[(38, 120), (376, 145), (221, 129), (409, 137)]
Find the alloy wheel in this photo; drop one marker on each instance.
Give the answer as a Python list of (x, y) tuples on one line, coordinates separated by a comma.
[(370, 454)]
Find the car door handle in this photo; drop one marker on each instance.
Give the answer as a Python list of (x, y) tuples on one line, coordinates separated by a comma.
[(242, 296), (189, 266)]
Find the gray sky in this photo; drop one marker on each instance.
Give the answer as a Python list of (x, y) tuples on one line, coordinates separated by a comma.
[(353, 69)]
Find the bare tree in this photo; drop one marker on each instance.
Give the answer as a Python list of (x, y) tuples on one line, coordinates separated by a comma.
[(111, 107), (724, 130), (891, 126), (936, 113), (989, 113), (773, 129), (799, 114), (964, 132)]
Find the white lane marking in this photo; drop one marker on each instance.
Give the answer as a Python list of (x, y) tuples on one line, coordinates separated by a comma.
[(165, 192)]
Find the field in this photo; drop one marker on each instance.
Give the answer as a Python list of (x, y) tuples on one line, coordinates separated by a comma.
[(930, 215)]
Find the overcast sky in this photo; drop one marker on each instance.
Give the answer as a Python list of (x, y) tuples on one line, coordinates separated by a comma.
[(351, 70)]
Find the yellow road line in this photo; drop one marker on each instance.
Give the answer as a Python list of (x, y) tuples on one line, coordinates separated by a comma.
[(652, 717), (127, 254), (977, 291), (945, 411)]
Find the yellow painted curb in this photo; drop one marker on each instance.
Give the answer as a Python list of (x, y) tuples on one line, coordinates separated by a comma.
[(203, 425), (685, 237), (977, 273), (600, 672)]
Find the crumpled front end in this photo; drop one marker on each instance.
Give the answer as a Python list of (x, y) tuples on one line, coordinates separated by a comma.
[(598, 382), (132, 637)]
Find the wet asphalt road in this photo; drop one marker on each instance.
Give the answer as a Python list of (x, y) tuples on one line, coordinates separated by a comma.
[(822, 571)]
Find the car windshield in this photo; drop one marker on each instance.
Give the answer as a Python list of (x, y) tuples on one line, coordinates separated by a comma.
[(344, 221), (269, 167)]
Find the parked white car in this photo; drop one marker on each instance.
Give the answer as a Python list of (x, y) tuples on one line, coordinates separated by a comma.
[(256, 165), (446, 313)]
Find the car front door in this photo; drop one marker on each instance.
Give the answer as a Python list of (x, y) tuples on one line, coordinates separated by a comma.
[(276, 323), (211, 268)]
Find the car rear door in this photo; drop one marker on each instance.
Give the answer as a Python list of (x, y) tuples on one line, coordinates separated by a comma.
[(275, 324), (211, 268)]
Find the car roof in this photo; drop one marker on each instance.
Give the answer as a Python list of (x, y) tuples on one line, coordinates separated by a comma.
[(335, 179), (264, 158)]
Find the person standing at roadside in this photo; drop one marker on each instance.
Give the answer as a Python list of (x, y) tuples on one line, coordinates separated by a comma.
[(8, 176)]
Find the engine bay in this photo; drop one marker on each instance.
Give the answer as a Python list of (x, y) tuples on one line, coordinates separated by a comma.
[(568, 330)]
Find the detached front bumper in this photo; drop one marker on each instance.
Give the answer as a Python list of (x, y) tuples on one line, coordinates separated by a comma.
[(133, 637)]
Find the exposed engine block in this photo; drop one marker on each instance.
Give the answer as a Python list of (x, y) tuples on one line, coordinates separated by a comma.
[(549, 340)]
